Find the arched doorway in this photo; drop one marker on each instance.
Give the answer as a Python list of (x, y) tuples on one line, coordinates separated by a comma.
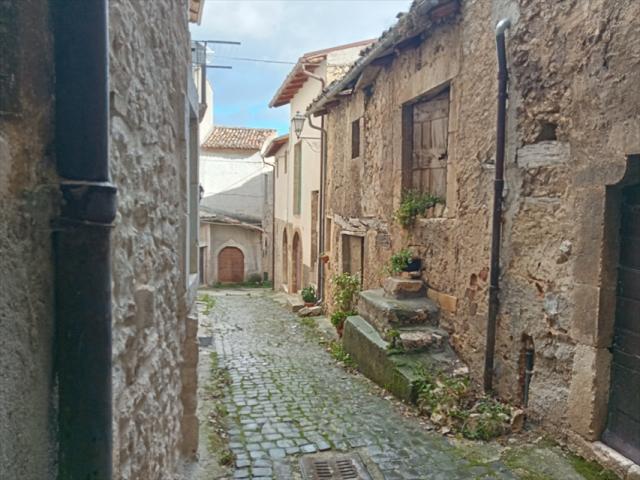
[(296, 255), (285, 258), (230, 265)]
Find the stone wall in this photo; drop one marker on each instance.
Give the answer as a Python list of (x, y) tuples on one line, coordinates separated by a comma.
[(572, 123), (150, 58), (28, 196), (154, 335)]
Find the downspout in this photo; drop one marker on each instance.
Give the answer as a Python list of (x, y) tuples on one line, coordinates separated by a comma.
[(496, 227), (323, 164), (81, 240)]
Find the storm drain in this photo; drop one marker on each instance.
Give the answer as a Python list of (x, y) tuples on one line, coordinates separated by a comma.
[(333, 467)]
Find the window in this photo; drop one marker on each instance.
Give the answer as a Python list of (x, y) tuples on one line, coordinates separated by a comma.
[(327, 235), (353, 255), (425, 126), (286, 156), (355, 138), (297, 178)]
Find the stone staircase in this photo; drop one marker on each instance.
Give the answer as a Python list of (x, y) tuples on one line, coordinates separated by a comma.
[(395, 334)]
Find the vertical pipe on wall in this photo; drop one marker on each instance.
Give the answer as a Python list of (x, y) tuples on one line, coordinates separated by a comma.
[(82, 240), (496, 227)]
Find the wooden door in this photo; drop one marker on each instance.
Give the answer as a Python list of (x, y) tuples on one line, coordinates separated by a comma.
[(623, 424), (231, 265)]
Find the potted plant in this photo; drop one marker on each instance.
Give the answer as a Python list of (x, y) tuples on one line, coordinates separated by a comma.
[(324, 257), (337, 320), (404, 261), (309, 296)]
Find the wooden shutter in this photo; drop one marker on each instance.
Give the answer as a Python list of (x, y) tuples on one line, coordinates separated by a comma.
[(429, 145)]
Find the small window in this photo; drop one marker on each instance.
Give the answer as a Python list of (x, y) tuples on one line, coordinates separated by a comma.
[(286, 156), (355, 138)]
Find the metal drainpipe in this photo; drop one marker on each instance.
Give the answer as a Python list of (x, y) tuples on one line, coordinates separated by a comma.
[(496, 228), (323, 164), (82, 240)]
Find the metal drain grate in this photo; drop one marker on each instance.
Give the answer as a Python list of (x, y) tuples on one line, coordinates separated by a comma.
[(333, 467)]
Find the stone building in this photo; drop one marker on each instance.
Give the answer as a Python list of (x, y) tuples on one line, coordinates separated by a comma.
[(417, 111), (297, 186), (120, 119), (237, 205)]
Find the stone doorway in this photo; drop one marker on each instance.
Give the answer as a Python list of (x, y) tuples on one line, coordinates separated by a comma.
[(623, 422), (230, 265), (296, 281)]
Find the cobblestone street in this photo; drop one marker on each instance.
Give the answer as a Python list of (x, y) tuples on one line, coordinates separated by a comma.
[(288, 397)]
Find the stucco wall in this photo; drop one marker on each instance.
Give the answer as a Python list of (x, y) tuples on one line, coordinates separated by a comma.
[(150, 60), (554, 221), (215, 237), (28, 187)]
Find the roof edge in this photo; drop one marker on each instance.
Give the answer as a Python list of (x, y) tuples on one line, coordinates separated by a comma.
[(387, 40)]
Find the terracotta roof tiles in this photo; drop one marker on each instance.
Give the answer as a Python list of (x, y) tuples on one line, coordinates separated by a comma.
[(237, 138)]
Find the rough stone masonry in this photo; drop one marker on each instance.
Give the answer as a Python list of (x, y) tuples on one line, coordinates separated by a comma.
[(154, 338), (573, 130)]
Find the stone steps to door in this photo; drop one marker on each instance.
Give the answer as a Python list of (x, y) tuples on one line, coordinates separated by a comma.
[(386, 313)]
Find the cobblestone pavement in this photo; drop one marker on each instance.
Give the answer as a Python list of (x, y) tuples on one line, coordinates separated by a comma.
[(288, 397)]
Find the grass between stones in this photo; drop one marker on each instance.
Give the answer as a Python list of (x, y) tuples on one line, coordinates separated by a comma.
[(592, 470), (208, 301), (218, 442)]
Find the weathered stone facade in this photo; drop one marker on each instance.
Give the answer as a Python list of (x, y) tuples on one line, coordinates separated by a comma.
[(28, 200), (154, 279), (573, 128), (154, 270)]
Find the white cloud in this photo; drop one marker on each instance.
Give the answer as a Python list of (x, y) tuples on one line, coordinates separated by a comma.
[(280, 30)]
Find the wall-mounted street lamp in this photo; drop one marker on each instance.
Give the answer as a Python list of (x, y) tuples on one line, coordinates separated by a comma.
[(298, 122)]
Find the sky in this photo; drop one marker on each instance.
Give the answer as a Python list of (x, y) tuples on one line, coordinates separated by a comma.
[(280, 30)]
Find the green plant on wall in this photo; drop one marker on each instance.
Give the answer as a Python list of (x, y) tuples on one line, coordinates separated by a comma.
[(399, 261), (309, 294), (345, 288), (414, 204)]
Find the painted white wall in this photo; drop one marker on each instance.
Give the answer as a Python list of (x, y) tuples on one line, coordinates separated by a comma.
[(311, 157), (234, 182)]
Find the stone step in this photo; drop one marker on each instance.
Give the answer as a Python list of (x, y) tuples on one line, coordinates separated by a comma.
[(396, 372), (415, 339), (396, 287), (386, 313)]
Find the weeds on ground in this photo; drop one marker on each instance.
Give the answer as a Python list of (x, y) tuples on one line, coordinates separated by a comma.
[(209, 303), (216, 417), (591, 470), (451, 403), (247, 284), (337, 351)]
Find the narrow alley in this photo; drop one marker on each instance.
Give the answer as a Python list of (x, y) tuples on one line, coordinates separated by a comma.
[(287, 397)]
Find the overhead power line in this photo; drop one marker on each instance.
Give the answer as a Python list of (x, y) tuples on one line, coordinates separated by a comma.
[(246, 59)]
